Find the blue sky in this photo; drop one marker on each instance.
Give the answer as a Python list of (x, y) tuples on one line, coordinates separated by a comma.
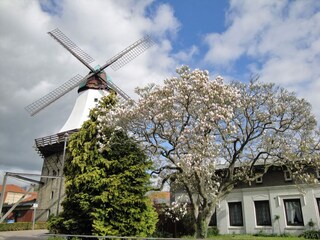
[(279, 40), (197, 19)]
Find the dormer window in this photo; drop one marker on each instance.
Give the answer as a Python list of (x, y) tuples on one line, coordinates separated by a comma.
[(287, 175), (259, 180)]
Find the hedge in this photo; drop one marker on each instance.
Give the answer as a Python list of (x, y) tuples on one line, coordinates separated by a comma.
[(21, 226)]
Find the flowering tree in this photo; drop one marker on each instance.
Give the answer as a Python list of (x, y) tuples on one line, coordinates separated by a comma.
[(207, 135)]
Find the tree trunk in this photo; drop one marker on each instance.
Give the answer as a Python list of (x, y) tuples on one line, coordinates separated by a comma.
[(201, 228)]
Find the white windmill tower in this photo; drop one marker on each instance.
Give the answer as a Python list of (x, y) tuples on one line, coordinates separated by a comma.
[(91, 88)]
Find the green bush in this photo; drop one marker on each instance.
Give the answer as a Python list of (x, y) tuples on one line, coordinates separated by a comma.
[(310, 234), (55, 224), (21, 226), (262, 233), (167, 227), (213, 231)]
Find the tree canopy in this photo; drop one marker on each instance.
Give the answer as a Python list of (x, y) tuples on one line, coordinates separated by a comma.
[(195, 127), (105, 186)]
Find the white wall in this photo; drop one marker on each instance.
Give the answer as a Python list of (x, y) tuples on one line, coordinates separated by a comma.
[(275, 195)]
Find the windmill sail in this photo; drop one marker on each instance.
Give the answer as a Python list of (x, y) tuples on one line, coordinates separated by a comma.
[(46, 100), (129, 53), (118, 90), (66, 42), (115, 63)]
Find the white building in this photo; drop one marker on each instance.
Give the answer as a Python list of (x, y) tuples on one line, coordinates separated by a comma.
[(273, 204), (51, 147)]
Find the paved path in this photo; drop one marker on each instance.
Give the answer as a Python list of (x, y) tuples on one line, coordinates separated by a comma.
[(24, 235)]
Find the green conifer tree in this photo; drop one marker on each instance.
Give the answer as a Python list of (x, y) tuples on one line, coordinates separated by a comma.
[(105, 185)]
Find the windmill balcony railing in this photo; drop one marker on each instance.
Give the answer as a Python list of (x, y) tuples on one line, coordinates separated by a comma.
[(53, 139)]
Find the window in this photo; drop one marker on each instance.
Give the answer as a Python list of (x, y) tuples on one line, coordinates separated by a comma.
[(52, 193), (213, 220), (318, 173), (48, 213), (318, 203), (293, 212), (259, 180), (262, 213), (287, 175), (235, 214)]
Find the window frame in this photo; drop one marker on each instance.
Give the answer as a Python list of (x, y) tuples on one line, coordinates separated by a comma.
[(213, 220), (48, 213), (287, 175), (293, 200), (258, 221), (232, 221), (259, 180)]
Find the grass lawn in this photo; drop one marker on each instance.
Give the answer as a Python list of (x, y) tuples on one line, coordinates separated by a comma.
[(243, 237)]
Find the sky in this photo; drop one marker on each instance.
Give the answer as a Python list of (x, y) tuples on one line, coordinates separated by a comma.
[(278, 40)]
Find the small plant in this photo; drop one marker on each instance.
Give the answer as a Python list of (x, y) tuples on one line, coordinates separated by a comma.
[(310, 234), (262, 233), (213, 231), (285, 235), (311, 223)]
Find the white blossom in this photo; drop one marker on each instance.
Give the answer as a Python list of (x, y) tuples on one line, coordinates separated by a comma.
[(192, 125)]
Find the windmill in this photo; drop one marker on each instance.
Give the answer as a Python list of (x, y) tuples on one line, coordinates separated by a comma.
[(96, 79), (91, 87)]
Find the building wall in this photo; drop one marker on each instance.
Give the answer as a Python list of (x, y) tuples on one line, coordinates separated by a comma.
[(49, 192), (12, 197), (276, 196), (274, 188), (25, 215), (21, 215)]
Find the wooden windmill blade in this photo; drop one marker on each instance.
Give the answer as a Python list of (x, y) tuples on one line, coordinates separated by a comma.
[(115, 62), (130, 53), (76, 51), (118, 90), (49, 98)]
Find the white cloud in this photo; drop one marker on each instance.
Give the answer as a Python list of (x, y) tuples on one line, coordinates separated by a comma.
[(187, 55), (165, 22), (279, 40), (32, 63), (246, 21)]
